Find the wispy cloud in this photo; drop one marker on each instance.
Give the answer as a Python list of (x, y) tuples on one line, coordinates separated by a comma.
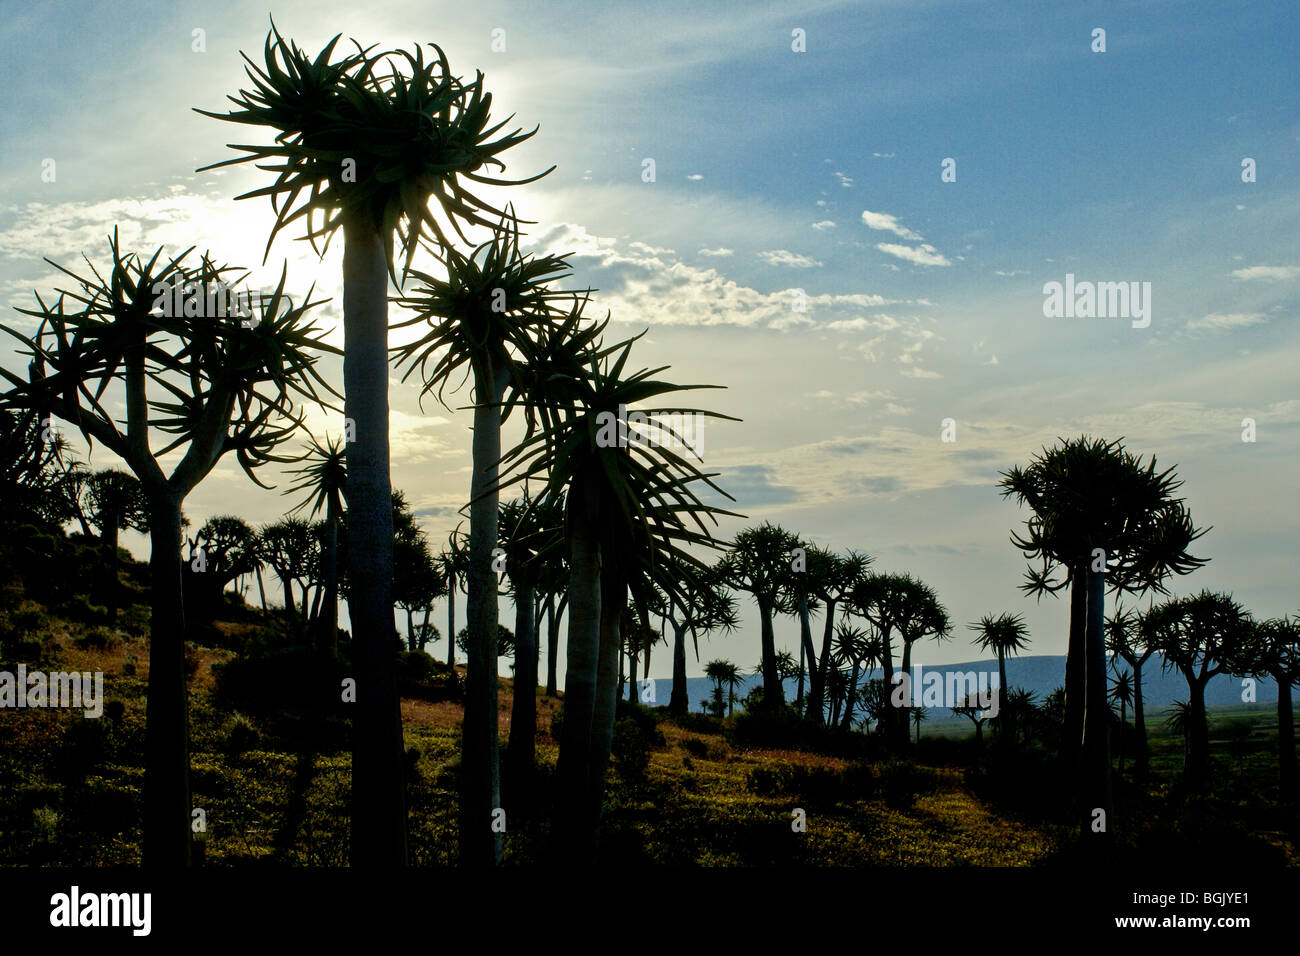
[(784, 257), (1267, 272), (1219, 321), (885, 222), (923, 255)]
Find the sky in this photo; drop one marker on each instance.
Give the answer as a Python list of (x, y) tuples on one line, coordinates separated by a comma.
[(912, 174)]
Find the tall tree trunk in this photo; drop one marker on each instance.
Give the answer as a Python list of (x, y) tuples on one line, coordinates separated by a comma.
[(1095, 767), (817, 693), (1286, 760), (552, 647), (167, 760), (904, 715), (1006, 723), (850, 696), (772, 691), (451, 620), (1123, 724), (328, 622), (378, 754), (1075, 669), (424, 625), (632, 694), (807, 657), (480, 789), (613, 600), (1139, 722), (261, 588), (410, 629), (582, 663), (1198, 735), (289, 607), (679, 702), (522, 754), (889, 714)]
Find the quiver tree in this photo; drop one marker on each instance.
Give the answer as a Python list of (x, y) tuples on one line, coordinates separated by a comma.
[(831, 577), (760, 563), (705, 605), (365, 143), (631, 513), (215, 384), (230, 549), (532, 531), (1124, 640), (1201, 635), (898, 603), (453, 565), (1004, 634), (481, 320), (323, 477), (1102, 519), (115, 502), (291, 549), (1275, 652)]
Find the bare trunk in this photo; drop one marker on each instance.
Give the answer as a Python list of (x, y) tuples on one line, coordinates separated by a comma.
[(329, 620), (817, 693), (1285, 741), (1095, 782), (613, 599), (552, 647), (167, 761), (481, 845), (583, 653), (378, 754), (1075, 670), (451, 621), (772, 691), (1139, 722), (1198, 735), (522, 754), (679, 702)]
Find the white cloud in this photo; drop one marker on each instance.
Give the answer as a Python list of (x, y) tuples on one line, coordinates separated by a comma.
[(715, 252), (1267, 272), (784, 257), (823, 225), (925, 255), (845, 181), (1218, 321), (912, 371), (695, 177), (887, 223)]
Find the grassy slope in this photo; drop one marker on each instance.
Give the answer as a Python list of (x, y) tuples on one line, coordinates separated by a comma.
[(272, 793)]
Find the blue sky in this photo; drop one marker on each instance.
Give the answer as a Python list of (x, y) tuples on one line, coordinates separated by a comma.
[(817, 171)]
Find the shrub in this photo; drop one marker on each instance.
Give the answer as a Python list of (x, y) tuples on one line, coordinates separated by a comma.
[(241, 734), (903, 781), (78, 608), (699, 723), (695, 747), (636, 734), (98, 638)]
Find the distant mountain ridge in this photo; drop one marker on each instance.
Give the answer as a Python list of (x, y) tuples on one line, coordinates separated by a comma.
[(1040, 674)]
